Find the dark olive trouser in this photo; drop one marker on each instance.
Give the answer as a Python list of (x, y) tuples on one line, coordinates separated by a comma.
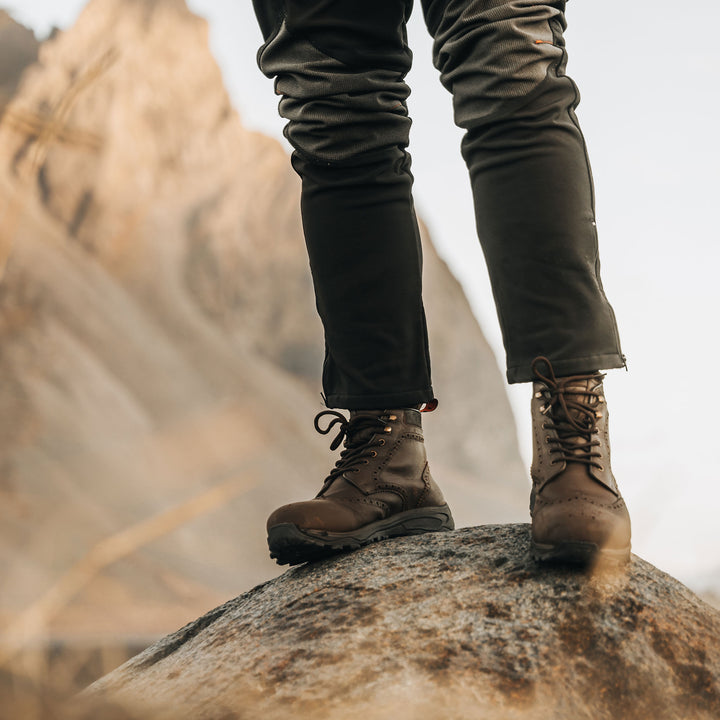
[(339, 67)]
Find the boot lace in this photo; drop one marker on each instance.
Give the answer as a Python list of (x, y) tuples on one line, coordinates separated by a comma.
[(574, 421), (360, 434)]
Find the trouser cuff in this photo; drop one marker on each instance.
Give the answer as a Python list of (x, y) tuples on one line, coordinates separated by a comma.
[(574, 366), (409, 398)]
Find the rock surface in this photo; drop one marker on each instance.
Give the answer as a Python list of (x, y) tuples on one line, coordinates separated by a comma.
[(452, 625), (158, 334)]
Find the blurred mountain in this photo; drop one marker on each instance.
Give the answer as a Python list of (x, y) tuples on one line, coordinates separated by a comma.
[(18, 50), (158, 338)]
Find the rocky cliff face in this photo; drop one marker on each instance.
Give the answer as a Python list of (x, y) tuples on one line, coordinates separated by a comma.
[(18, 50), (449, 625), (158, 337)]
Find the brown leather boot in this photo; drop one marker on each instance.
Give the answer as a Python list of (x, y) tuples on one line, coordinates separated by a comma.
[(379, 488), (578, 514)]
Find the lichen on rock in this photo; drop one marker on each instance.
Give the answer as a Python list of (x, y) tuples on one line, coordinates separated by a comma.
[(446, 625)]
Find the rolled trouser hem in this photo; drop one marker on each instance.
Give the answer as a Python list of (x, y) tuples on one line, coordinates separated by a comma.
[(405, 399), (574, 366)]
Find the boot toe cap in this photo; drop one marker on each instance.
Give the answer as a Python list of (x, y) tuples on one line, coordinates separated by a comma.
[(318, 514), (581, 519)]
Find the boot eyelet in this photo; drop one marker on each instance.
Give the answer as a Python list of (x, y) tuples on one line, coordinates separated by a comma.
[(382, 441), (373, 453), (388, 429), (393, 417)]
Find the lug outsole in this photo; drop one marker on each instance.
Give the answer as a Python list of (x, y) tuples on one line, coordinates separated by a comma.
[(578, 553), (291, 545)]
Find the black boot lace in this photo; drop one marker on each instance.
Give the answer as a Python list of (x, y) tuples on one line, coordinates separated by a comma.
[(574, 421), (360, 434)]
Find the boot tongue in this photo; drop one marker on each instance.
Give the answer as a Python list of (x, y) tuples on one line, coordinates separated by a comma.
[(580, 391), (360, 433)]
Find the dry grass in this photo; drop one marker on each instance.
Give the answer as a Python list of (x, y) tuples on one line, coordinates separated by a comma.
[(36, 678), (31, 626)]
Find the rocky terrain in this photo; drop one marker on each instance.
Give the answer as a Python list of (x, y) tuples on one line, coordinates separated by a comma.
[(159, 348), (448, 625)]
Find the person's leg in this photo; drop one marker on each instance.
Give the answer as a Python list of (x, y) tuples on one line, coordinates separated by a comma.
[(504, 62), (339, 67)]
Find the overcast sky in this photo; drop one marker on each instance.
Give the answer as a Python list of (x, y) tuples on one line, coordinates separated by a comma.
[(648, 73)]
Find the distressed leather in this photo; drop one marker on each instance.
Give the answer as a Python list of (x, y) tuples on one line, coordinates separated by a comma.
[(384, 472), (574, 501)]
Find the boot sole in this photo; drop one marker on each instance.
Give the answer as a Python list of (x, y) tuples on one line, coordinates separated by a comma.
[(578, 553), (290, 545)]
